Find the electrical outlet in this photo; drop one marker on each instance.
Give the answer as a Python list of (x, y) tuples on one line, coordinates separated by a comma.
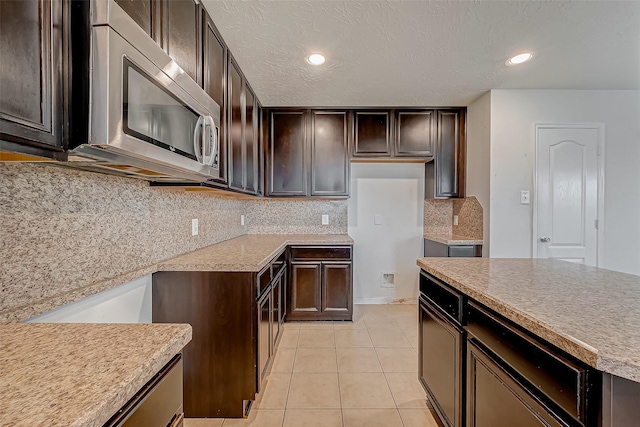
[(525, 197), (241, 219), (377, 219), (194, 227), (455, 220), (325, 219)]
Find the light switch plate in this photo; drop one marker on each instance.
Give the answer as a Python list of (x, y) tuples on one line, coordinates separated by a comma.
[(525, 197), (455, 220), (325, 219), (194, 227), (241, 219), (377, 219)]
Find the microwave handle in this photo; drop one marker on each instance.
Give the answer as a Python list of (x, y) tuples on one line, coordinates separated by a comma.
[(212, 141), (198, 139)]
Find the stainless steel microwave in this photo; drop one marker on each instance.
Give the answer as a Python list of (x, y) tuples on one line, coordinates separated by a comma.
[(146, 117)]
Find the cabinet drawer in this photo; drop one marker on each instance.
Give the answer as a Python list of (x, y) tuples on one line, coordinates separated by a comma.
[(264, 280), (278, 264), (320, 252), (556, 379), (448, 300)]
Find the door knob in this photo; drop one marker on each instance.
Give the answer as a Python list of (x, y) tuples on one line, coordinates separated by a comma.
[(545, 239)]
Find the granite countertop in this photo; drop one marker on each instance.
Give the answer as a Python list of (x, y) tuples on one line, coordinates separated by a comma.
[(57, 374), (250, 252), (591, 313), (452, 239)]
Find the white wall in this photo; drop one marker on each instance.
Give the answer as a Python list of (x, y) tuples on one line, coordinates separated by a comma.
[(397, 192), (514, 114), (478, 159), (127, 303)]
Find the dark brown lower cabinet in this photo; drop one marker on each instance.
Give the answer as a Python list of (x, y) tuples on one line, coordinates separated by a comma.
[(264, 335), (321, 286), (220, 361), (305, 289), (440, 366), (480, 369), (496, 400), (236, 319)]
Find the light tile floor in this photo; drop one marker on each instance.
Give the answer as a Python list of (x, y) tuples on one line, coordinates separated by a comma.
[(343, 374)]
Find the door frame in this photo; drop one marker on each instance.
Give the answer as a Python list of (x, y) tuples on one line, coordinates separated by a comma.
[(600, 197)]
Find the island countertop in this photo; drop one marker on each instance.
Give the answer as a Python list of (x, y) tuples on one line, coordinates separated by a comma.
[(55, 374), (591, 313), (250, 252)]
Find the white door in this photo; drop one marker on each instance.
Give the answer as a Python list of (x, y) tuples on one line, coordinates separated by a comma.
[(566, 204)]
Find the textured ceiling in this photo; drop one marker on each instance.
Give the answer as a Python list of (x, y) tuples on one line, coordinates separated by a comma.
[(427, 52)]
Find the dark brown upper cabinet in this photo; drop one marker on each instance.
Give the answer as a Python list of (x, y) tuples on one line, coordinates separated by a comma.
[(215, 82), (445, 175), (287, 165), (32, 78), (372, 134), (146, 13), (181, 35), (308, 153), (236, 126), (414, 133), (244, 134), (329, 153), (251, 137)]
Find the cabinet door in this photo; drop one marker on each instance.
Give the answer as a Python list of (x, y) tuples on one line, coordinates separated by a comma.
[(236, 126), (337, 293), (264, 335), (449, 147), (283, 297), (250, 141), (305, 288), (276, 296), (215, 81), (145, 13), (414, 133), (440, 364), (372, 134), (31, 75), (494, 399), (287, 157), (329, 154), (181, 35)]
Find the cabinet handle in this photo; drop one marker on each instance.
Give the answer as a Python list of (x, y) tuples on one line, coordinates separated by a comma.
[(177, 421)]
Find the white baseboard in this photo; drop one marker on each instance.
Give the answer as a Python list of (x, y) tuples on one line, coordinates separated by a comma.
[(386, 300)]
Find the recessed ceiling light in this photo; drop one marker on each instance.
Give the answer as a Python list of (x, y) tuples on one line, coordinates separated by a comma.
[(315, 59), (519, 59)]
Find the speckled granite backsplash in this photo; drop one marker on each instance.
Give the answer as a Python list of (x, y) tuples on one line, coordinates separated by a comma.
[(68, 234), (296, 216), (438, 217), (62, 229)]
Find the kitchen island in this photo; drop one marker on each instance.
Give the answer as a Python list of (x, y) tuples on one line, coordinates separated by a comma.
[(79, 374), (561, 337)]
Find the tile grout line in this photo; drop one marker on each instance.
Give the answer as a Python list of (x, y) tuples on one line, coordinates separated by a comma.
[(335, 349)]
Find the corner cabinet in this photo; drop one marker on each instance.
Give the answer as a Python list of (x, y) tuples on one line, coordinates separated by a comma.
[(321, 285), (307, 153), (32, 78)]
